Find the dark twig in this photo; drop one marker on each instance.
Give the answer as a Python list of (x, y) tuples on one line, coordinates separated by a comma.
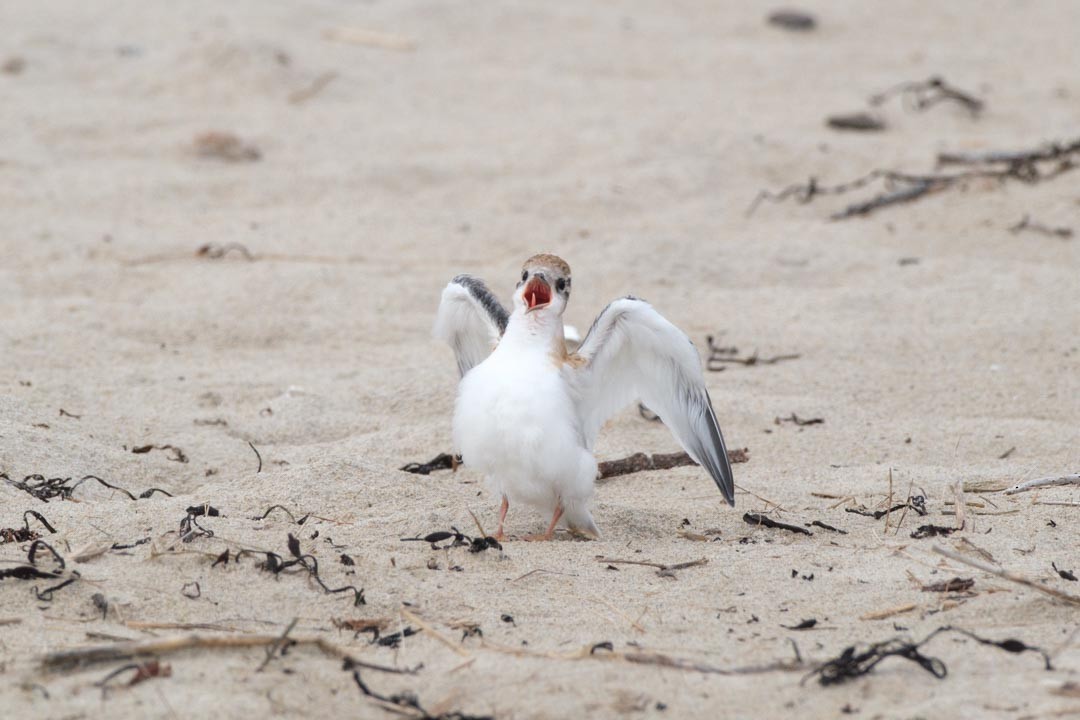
[(640, 462), (766, 521), (257, 455)]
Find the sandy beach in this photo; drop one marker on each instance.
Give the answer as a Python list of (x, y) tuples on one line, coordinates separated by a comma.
[(224, 231)]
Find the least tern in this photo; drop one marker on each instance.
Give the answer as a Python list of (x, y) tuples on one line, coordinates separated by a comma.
[(528, 411)]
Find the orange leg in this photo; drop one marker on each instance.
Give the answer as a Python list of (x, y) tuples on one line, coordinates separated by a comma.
[(499, 534), (551, 528)]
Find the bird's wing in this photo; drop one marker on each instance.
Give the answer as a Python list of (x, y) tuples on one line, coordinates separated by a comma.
[(632, 352), (470, 319)]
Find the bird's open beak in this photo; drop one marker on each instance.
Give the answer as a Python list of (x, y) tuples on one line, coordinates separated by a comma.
[(537, 294)]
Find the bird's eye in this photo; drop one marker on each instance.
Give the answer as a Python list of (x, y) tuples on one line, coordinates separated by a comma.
[(560, 285), (524, 275)]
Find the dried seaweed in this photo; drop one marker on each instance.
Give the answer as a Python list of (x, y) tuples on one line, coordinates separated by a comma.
[(25, 534), (46, 489), (31, 571), (190, 527), (914, 502), (174, 453), (275, 564), (406, 701), (460, 539), (1027, 166), (442, 461), (925, 531), (852, 663), (283, 509)]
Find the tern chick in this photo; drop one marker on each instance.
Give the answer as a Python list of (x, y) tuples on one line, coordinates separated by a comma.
[(528, 411)]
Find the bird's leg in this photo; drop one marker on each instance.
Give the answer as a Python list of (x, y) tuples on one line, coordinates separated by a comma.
[(499, 535), (551, 528)]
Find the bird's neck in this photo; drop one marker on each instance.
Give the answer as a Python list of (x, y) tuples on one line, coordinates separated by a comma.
[(536, 330)]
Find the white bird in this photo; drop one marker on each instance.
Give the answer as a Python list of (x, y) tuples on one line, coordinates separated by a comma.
[(528, 412)]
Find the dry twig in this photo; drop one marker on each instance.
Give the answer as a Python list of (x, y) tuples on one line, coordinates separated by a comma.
[(1007, 575)]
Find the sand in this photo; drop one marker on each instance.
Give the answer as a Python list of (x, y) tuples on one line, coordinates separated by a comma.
[(400, 143)]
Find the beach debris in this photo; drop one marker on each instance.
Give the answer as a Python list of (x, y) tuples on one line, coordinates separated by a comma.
[(720, 356), (956, 585), (826, 526), (1026, 223), (31, 571), (925, 531), (442, 461), (804, 625), (914, 502), (174, 453), (638, 462), (460, 539), (143, 671), (796, 420), (1031, 167), (191, 590), (641, 462), (283, 509), (766, 521), (190, 527), (792, 20), (128, 546), (1044, 483), (25, 534), (257, 455), (46, 489), (13, 65), (276, 564), (317, 86), (853, 663), (218, 251), (663, 569), (925, 94), (1008, 575), (225, 146), (1064, 574), (857, 121)]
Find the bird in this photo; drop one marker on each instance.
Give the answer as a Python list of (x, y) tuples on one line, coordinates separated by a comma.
[(528, 410)]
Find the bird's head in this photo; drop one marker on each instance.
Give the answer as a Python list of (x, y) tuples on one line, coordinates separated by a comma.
[(544, 286)]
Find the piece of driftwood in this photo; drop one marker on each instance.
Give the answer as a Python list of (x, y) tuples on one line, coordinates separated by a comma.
[(640, 462), (1044, 483), (63, 660), (1007, 575)]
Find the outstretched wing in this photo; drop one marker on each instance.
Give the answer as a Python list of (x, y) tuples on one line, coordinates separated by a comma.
[(632, 352), (471, 320)]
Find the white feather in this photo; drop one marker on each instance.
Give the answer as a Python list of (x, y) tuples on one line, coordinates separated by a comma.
[(633, 353)]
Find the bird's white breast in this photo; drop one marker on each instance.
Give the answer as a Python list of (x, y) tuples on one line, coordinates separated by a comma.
[(516, 422)]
